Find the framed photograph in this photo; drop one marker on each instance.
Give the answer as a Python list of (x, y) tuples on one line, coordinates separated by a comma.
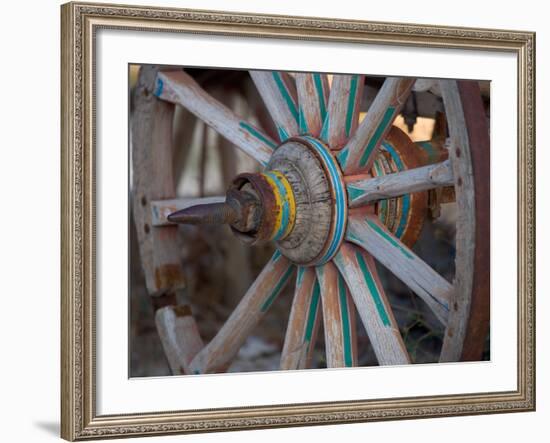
[(279, 221)]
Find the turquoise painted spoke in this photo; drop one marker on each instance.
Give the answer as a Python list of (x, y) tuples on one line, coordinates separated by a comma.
[(351, 103), (312, 313), (373, 142), (373, 289), (269, 300), (342, 157), (355, 193), (255, 133), (387, 237), (320, 95), (346, 327), (286, 95)]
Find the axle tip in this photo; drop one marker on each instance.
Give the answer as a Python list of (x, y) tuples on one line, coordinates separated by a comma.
[(209, 214)]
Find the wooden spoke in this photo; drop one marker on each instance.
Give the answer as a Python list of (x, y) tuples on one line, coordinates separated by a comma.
[(312, 99), (360, 151), (424, 178), (343, 109), (279, 94), (371, 235), (161, 209), (360, 274), (303, 323), (250, 310), (338, 318), (179, 336), (179, 87)]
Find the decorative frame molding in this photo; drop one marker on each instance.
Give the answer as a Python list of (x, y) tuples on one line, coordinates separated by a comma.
[(79, 24)]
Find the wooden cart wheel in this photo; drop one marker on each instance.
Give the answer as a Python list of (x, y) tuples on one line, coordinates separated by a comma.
[(335, 195)]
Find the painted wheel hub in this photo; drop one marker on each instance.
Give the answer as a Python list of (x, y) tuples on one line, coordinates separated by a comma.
[(303, 199)]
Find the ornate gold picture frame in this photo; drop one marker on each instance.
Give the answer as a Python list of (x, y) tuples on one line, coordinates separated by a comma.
[(80, 24)]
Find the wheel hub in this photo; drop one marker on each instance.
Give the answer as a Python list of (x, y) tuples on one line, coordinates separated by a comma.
[(303, 200)]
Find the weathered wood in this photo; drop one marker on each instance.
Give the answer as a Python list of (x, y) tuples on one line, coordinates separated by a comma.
[(313, 92), (344, 103), (303, 323), (361, 149), (251, 309), (359, 272), (152, 179), (373, 236), (339, 318), (469, 152), (179, 87), (368, 190), (279, 94), (161, 209), (179, 336)]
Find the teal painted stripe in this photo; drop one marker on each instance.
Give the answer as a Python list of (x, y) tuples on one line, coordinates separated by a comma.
[(342, 157), (276, 256), (354, 193), (269, 300), (433, 156), (346, 328), (300, 275), (324, 129), (312, 312), (351, 103), (302, 122), (283, 135), (373, 289), (405, 199), (386, 120), (286, 206), (159, 87), (383, 203), (383, 234), (320, 95), (286, 94), (257, 134)]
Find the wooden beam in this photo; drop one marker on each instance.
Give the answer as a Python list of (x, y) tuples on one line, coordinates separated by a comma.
[(360, 274), (374, 238), (251, 309), (313, 90), (179, 336), (339, 318), (368, 190), (152, 179), (179, 87), (303, 323), (344, 102), (278, 91), (360, 151)]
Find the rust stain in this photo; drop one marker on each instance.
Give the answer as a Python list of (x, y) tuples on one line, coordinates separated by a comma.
[(169, 276), (183, 311)]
